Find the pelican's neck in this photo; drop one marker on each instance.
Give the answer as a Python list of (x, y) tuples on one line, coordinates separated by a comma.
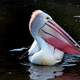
[(41, 42)]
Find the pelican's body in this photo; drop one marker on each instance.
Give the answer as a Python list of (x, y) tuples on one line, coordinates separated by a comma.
[(50, 43), (47, 55)]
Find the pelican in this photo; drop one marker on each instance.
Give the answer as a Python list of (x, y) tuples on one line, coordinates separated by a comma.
[(50, 40)]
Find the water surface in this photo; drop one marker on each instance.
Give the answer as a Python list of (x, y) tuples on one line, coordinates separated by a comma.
[(26, 71)]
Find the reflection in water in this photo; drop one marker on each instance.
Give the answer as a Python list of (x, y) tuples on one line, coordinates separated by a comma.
[(51, 72), (26, 71), (45, 72)]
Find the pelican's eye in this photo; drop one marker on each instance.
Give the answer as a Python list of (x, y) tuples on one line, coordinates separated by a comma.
[(47, 17)]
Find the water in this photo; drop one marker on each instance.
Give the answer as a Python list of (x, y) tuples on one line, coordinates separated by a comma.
[(11, 70), (52, 72), (44, 72)]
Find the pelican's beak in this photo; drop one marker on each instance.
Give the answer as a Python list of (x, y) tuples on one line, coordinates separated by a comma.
[(54, 35)]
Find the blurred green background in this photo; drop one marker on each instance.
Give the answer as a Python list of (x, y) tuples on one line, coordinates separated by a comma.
[(15, 15)]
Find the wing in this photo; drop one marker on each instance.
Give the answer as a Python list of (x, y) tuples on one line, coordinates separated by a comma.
[(53, 34)]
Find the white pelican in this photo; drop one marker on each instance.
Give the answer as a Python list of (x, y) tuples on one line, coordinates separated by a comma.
[(50, 40)]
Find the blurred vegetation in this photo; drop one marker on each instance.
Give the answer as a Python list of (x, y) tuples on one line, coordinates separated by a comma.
[(63, 12), (15, 15)]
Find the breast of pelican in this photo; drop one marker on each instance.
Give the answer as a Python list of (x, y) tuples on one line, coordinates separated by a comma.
[(50, 40)]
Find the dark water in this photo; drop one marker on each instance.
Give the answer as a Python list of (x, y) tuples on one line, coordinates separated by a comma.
[(11, 70)]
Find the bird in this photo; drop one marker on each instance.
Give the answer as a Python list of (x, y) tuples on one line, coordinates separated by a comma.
[(51, 41)]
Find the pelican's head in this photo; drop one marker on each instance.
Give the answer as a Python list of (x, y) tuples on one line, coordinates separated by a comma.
[(38, 19)]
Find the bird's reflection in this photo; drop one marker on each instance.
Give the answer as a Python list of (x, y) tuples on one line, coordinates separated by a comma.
[(45, 72)]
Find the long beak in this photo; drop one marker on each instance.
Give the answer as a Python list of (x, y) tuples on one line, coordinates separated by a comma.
[(59, 38)]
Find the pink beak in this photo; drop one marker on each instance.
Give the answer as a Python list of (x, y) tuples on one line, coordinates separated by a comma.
[(54, 35)]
